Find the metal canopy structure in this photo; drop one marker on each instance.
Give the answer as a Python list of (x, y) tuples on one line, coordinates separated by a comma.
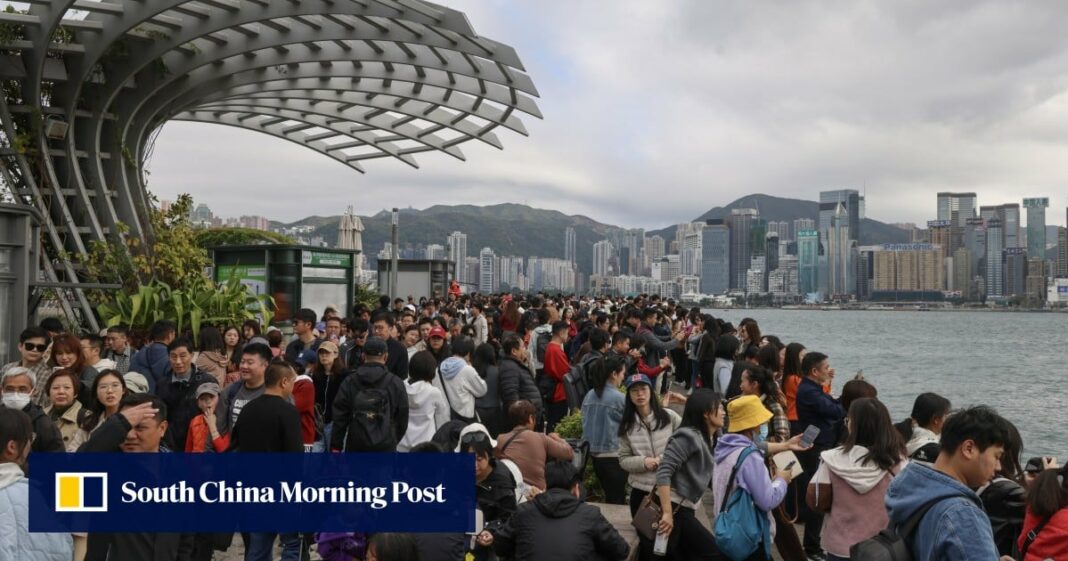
[(87, 84)]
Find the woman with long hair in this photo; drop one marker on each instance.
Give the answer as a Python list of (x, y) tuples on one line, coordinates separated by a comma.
[(67, 353), (232, 344), (62, 388), (1045, 528), (488, 406), (726, 350), (327, 374), (706, 354), (212, 356), (602, 411), (1004, 498), (510, 319), (106, 392), (851, 482), (791, 378), (759, 382), (685, 472), (923, 428), (644, 431), (748, 334)]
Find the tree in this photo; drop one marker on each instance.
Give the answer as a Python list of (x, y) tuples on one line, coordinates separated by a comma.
[(214, 237)]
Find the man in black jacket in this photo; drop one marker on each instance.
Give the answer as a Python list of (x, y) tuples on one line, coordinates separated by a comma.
[(515, 380), (556, 526), (384, 326), (137, 428), (178, 389), (375, 381)]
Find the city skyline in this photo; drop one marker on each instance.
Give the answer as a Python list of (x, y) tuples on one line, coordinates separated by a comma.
[(774, 99)]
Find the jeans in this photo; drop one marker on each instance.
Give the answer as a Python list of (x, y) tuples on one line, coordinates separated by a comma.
[(260, 546), (613, 480)]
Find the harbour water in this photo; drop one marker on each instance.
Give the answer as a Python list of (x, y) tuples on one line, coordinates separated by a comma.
[(1014, 362)]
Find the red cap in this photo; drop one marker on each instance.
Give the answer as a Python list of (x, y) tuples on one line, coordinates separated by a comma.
[(436, 331)]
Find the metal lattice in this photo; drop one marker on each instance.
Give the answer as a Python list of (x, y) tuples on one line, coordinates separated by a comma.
[(354, 80)]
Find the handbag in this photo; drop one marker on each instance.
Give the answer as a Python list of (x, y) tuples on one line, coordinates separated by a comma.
[(646, 520)]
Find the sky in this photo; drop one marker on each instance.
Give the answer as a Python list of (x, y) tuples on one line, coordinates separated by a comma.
[(657, 111)]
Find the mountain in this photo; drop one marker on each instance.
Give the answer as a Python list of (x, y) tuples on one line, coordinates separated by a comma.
[(778, 209), (510, 229)]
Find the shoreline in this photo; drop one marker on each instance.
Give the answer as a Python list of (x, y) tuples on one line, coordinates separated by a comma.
[(834, 308)]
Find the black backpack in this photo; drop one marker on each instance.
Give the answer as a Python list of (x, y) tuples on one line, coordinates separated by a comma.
[(541, 344), (371, 429), (890, 544)]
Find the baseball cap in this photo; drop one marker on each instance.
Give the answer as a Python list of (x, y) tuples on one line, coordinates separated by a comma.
[(436, 331), (208, 387), (307, 357), (637, 379), (328, 345), (374, 346)]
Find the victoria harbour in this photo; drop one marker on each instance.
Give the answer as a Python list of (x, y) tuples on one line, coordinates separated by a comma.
[(1013, 362)]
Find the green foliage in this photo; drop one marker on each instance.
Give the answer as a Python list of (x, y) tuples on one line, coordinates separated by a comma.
[(214, 237), (364, 295), (571, 427), (200, 303)]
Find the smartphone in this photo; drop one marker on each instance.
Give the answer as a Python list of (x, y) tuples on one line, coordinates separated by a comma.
[(790, 466), (810, 435)]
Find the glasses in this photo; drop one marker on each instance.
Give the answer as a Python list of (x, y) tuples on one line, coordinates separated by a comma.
[(32, 347), (477, 436)]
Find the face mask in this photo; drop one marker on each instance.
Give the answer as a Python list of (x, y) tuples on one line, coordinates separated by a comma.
[(763, 434), (16, 400)]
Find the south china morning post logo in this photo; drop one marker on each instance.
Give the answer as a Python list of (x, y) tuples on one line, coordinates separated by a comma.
[(81, 492)]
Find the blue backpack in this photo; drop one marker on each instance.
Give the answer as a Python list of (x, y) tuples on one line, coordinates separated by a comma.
[(741, 526)]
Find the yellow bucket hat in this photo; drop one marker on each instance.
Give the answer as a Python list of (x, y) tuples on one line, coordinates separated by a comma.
[(747, 412)]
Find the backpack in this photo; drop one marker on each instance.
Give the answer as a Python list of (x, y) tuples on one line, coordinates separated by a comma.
[(541, 343), (741, 527), (371, 429), (890, 544)]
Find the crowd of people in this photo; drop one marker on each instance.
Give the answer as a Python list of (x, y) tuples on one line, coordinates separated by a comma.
[(681, 412)]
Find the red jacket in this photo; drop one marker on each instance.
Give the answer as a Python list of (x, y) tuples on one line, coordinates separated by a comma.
[(556, 367), (1051, 542), (304, 400), (197, 438)]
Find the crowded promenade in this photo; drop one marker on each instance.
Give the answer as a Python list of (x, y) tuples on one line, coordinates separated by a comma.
[(723, 438)]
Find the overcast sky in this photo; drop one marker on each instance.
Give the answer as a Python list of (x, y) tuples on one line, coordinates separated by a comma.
[(657, 111)]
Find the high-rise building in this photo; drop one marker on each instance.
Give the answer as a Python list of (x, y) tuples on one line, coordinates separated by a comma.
[(754, 281), (690, 253), (782, 228), (771, 251), (1009, 216), (634, 241), (666, 269), (1036, 280), (602, 257), (850, 201), (995, 279), (940, 232), (458, 255), (715, 257), (654, 249), (569, 244), (489, 277), (551, 274), (963, 279), (803, 224), (741, 223), (975, 242), (201, 215), (1062, 253), (435, 251), (808, 253), (841, 249), (625, 261), (1015, 272), (472, 271), (905, 268), (956, 207), (782, 282), (512, 272), (1036, 227)]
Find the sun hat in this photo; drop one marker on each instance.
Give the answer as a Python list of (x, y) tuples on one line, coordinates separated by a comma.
[(747, 412)]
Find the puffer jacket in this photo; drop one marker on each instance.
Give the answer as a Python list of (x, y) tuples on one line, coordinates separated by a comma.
[(556, 526), (640, 443), (16, 542), (1005, 503), (516, 383)]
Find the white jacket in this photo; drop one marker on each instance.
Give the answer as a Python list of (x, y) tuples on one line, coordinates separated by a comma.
[(16, 542), (462, 385), (427, 411)]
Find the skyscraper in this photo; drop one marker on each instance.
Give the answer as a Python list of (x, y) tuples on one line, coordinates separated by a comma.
[(1009, 216), (512, 272), (602, 255), (489, 271), (803, 224), (1015, 270), (654, 249), (435, 251), (690, 253), (841, 267), (458, 255), (850, 201), (715, 257), (1036, 227), (956, 207), (740, 223), (1062, 253), (808, 253), (994, 277), (569, 244)]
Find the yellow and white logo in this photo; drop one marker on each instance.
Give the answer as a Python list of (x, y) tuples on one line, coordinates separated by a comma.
[(81, 492)]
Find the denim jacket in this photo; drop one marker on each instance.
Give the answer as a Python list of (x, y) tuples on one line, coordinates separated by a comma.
[(600, 420)]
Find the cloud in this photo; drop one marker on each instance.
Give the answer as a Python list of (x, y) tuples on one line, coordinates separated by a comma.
[(656, 111)]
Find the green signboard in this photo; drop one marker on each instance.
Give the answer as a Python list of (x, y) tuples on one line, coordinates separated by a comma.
[(322, 258), (252, 276)]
